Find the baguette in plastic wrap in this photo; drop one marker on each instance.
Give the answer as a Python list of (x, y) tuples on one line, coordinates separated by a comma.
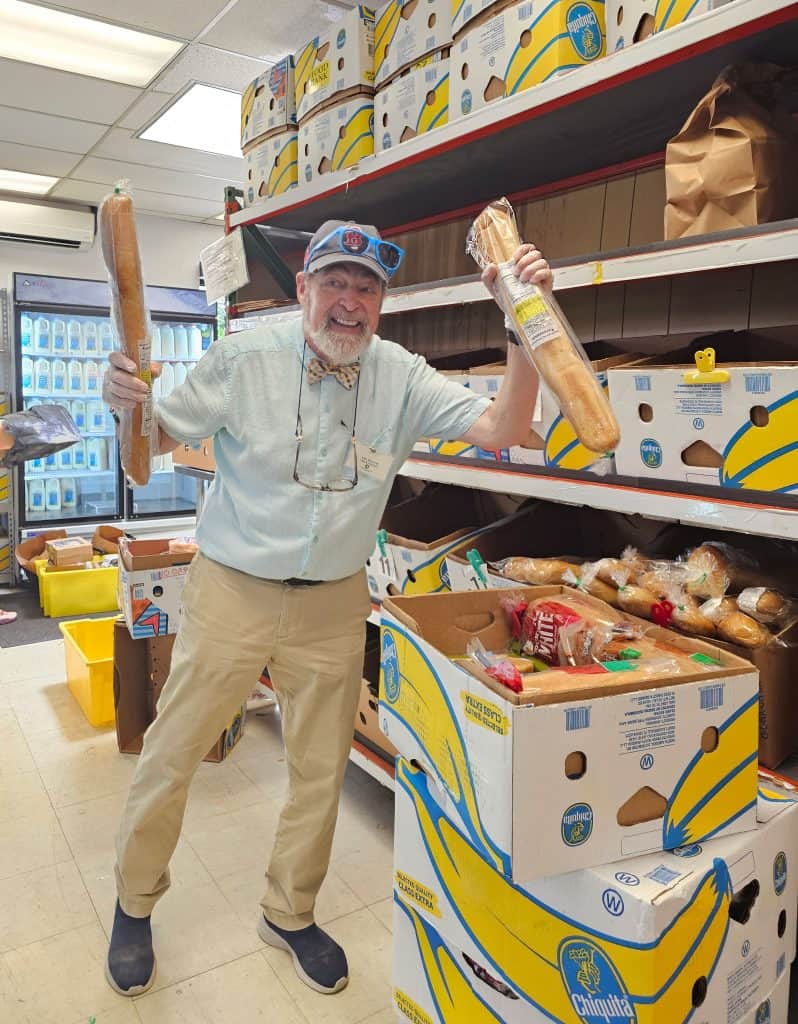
[(123, 263), (545, 335)]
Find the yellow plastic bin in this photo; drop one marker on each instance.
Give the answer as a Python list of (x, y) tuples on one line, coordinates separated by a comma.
[(89, 656), (78, 591)]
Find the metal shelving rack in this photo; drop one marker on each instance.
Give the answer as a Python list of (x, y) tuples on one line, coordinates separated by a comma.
[(7, 477), (600, 121)]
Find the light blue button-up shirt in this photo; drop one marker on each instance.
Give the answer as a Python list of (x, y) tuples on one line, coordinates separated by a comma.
[(244, 394)]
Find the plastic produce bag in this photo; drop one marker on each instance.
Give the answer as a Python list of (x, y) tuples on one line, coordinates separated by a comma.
[(41, 431), (129, 309), (545, 335)]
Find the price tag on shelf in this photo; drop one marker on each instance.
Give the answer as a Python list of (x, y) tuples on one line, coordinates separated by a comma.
[(224, 266)]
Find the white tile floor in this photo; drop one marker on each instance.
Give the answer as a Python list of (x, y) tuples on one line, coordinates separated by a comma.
[(62, 787)]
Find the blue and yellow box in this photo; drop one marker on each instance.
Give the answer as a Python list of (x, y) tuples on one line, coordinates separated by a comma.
[(520, 47), (268, 104), (337, 60), (589, 765), (336, 138), (703, 934), (414, 103), (730, 424), (406, 31), (271, 167)]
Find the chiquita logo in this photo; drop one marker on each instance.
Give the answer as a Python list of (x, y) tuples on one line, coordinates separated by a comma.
[(585, 32), (389, 663), (596, 990), (577, 824), (780, 873), (763, 1013)]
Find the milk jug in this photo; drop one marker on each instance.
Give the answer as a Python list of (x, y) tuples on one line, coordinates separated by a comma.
[(53, 495), (35, 489), (194, 343), (75, 377), (65, 459), (95, 413), (27, 373), (41, 335), (79, 455), (167, 341), (91, 378), (167, 380), (58, 338), (78, 410), (25, 334), (59, 375), (69, 495), (180, 374), (97, 454), (90, 343), (181, 342), (106, 338), (41, 376), (74, 338)]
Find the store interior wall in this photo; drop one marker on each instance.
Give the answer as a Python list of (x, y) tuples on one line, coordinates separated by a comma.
[(170, 253)]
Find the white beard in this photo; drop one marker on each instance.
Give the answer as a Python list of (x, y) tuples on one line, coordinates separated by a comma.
[(336, 348)]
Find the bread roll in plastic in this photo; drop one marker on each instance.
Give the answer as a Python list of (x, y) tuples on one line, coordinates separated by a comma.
[(768, 606), (545, 335), (636, 600), (739, 628), (122, 261), (535, 571)]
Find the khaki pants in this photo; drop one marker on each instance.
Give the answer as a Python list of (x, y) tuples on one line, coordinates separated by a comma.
[(312, 640)]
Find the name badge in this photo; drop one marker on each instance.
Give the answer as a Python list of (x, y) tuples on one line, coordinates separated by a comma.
[(373, 463)]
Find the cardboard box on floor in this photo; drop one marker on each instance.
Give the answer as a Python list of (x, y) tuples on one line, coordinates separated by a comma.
[(339, 59), (736, 433), (33, 548), (523, 45), (406, 31), (141, 668), (409, 554), (151, 581), (367, 729), (704, 935), (589, 768)]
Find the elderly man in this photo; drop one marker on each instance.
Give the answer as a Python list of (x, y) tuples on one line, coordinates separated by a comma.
[(312, 420)]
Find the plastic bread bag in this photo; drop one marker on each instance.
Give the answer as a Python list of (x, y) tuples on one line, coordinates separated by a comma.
[(533, 571), (720, 568), (120, 249), (502, 669), (34, 434), (735, 626), (767, 606), (587, 580), (545, 335)]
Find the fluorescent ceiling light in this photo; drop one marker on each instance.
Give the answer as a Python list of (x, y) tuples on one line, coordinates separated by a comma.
[(33, 184), (201, 118), (68, 42)]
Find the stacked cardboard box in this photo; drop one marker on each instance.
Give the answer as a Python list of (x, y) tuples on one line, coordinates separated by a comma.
[(269, 133), (151, 580), (334, 85), (582, 853), (411, 69)]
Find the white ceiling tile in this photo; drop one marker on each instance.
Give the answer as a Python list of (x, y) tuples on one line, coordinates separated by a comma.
[(183, 21), (289, 25), (29, 128), (154, 179), (209, 66), (145, 110), (80, 191), (64, 95), (119, 144), (35, 160)]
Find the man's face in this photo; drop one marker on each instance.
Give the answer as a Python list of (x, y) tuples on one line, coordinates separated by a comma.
[(341, 306)]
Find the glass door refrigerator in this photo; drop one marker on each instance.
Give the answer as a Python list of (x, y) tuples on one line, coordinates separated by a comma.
[(64, 335)]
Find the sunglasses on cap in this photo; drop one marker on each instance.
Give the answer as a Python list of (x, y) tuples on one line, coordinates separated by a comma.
[(351, 241)]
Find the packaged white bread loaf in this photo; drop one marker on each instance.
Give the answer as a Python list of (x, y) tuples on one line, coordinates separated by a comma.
[(123, 263), (545, 335)]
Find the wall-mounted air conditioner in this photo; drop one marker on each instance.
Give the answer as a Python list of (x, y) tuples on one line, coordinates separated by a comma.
[(66, 227)]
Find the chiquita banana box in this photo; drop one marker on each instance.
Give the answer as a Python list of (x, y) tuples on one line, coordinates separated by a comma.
[(269, 103), (596, 763), (339, 59), (732, 425), (520, 47), (271, 167), (413, 104), (336, 138), (406, 31), (704, 934)]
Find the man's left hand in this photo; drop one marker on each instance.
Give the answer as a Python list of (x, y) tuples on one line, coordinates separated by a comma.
[(529, 266)]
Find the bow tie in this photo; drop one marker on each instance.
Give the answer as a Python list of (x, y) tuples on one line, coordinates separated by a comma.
[(345, 375)]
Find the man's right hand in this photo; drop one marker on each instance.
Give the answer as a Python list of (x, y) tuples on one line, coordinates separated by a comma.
[(122, 387)]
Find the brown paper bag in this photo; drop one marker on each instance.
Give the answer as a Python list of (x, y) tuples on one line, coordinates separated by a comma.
[(734, 162)]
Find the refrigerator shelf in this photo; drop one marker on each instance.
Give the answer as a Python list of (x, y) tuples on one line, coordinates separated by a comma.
[(93, 395), (98, 357), (61, 474)]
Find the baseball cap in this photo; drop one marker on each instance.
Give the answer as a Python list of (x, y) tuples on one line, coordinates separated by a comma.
[(340, 241)]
